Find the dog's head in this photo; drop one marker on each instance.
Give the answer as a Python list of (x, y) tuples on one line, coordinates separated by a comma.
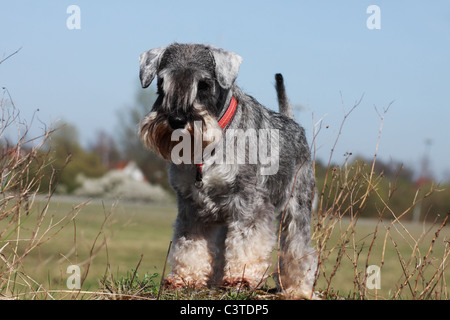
[(194, 82)]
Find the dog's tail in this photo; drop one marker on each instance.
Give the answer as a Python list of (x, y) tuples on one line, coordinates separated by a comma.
[(283, 101)]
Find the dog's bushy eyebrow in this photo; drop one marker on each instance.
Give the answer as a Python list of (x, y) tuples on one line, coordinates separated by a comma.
[(179, 56), (224, 65)]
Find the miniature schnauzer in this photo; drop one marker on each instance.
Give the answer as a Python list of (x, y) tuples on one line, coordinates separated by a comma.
[(223, 234)]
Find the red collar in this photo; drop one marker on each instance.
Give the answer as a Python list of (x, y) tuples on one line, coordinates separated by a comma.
[(226, 118), (224, 122)]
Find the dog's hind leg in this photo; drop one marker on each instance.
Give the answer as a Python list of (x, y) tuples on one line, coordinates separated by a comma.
[(297, 260)]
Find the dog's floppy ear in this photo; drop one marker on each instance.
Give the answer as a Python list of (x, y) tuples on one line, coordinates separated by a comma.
[(149, 62), (227, 66)]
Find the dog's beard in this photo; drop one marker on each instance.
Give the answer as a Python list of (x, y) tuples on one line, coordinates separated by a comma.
[(156, 134)]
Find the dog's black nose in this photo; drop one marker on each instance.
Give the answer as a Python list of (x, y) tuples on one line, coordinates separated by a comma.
[(177, 122)]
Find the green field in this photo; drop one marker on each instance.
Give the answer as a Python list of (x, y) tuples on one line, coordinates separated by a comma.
[(110, 239)]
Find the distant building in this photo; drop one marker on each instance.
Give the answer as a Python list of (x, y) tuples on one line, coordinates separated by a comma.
[(125, 182), (131, 169)]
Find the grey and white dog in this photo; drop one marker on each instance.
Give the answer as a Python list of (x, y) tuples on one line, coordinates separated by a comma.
[(224, 233)]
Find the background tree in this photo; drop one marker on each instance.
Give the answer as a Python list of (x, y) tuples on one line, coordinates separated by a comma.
[(70, 159), (105, 146), (393, 187)]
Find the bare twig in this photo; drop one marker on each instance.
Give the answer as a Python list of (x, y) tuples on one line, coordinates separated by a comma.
[(164, 271), (9, 56)]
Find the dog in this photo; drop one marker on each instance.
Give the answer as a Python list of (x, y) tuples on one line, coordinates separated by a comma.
[(224, 232)]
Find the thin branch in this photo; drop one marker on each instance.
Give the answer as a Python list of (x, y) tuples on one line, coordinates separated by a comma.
[(15, 52)]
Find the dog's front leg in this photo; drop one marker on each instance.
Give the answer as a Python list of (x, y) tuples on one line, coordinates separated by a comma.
[(190, 256)]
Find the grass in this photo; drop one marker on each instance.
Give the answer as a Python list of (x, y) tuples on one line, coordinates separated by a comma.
[(112, 241), (116, 244), (388, 249), (101, 240)]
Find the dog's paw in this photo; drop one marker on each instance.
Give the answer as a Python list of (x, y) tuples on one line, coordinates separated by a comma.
[(240, 282), (175, 282), (300, 294)]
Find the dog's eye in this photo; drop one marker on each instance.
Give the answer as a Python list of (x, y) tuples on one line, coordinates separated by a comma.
[(203, 85)]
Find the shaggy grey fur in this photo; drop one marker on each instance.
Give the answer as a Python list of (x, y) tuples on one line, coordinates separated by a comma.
[(224, 232)]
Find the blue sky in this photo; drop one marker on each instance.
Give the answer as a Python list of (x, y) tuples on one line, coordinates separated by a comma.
[(323, 48)]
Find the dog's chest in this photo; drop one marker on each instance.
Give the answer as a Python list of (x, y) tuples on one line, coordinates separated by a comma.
[(213, 198), (216, 185)]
